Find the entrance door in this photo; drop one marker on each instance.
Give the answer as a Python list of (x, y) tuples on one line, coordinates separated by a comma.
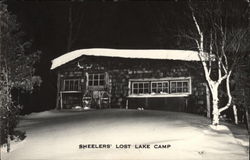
[(97, 89)]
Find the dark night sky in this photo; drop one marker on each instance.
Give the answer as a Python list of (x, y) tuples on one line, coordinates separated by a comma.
[(104, 25), (115, 25)]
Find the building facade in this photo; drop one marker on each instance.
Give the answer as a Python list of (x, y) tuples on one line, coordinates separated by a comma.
[(145, 79)]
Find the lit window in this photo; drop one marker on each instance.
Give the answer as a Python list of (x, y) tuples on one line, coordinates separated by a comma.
[(96, 80), (179, 86), (72, 85), (140, 87)]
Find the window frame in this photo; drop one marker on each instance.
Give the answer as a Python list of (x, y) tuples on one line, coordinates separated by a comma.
[(78, 80), (138, 88), (98, 80), (176, 81), (157, 87), (168, 80)]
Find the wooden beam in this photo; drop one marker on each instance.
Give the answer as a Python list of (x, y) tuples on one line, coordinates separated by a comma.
[(127, 103), (61, 100)]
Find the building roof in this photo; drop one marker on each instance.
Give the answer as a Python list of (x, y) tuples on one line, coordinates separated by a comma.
[(160, 54)]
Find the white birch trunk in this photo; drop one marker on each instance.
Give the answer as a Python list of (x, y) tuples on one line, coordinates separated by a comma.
[(216, 113), (235, 114), (229, 102), (208, 101)]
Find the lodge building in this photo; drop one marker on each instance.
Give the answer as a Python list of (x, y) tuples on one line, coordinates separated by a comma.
[(120, 78)]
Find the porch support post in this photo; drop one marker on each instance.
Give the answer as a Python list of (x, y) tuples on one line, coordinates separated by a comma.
[(58, 90), (127, 103), (61, 100), (129, 92)]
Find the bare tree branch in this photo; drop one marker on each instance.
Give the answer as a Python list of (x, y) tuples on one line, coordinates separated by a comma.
[(228, 93)]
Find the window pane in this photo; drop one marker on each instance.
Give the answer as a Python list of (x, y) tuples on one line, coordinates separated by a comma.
[(102, 76), (76, 85), (153, 85), (165, 90), (173, 90), (71, 83), (145, 85), (140, 90), (173, 84), (66, 85), (179, 89), (185, 84), (185, 90), (154, 90), (146, 91), (101, 82), (165, 84), (179, 84), (135, 91), (135, 85), (96, 83), (159, 84), (91, 77), (140, 85), (90, 83), (95, 76), (160, 90)]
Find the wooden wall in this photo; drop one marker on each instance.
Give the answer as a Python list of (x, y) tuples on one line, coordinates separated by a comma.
[(121, 70)]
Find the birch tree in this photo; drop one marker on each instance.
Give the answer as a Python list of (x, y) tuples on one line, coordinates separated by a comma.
[(17, 61), (220, 35)]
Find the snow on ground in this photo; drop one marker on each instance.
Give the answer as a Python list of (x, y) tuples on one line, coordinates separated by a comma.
[(58, 134)]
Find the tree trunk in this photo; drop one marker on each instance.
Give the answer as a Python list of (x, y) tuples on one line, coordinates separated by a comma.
[(8, 134), (229, 102), (247, 120), (235, 114), (208, 101), (216, 112)]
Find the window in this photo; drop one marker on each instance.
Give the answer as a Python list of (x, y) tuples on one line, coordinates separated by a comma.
[(159, 87), (96, 79), (179, 86), (72, 85), (140, 87)]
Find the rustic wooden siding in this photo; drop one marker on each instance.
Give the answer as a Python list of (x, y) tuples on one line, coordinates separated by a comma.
[(121, 70)]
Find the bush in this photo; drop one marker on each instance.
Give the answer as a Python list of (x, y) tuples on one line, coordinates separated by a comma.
[(9, 120)]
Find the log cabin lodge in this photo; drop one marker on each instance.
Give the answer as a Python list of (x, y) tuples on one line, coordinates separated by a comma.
[(120, 78)]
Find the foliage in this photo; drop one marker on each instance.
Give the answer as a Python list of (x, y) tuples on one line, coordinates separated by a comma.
[(17, 60), (9, 117)]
